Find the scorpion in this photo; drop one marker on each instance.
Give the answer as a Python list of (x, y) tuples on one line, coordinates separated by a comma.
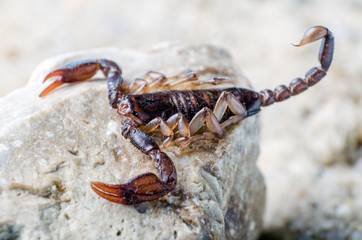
[(213, 109)]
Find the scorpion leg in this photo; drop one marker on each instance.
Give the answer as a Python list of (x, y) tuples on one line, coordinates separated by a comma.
[(137, 86), (147, 186), (212, 119), (193, 78), (167, 128), (186, 129), (142, 85), (151, 80), (225, 100), (180, 79), (214, 81), (313, 76)]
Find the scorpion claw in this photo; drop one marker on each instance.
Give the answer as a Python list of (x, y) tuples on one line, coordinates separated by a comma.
[(84, 70), (79, 71), (145, 187), (113, 193), (55, 73), (51, 87)]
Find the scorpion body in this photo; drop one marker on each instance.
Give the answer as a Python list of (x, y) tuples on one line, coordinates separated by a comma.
[(167, 103), (144, 112)]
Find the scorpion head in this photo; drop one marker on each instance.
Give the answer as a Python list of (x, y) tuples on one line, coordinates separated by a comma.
[(124, 108)]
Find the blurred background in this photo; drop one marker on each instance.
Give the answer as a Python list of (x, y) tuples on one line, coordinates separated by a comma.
[(311, 146)]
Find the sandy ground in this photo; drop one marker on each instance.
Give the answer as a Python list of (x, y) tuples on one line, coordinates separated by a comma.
[(315, 133)]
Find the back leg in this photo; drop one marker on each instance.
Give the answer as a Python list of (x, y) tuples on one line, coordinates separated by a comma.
[(212, 120), (153, 79), (183, 77), (192, 77), (214, 81)]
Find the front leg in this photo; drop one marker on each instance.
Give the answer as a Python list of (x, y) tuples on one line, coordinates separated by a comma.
[(147, 186)]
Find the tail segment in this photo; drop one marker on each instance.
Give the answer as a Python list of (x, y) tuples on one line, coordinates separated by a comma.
[(313, 76)]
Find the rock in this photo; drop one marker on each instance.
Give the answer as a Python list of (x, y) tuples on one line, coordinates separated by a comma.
[(51, 148)]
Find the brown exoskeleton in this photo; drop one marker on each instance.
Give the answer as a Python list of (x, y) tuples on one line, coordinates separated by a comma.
[(143, 112)]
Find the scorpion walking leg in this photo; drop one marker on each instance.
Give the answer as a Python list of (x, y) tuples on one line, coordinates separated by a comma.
[(214, 81), (145, 187), (186, 129), (183, 78), (193, 78), (154, 79), (313, 76), (213, 119), (167, 128), (151, 80)]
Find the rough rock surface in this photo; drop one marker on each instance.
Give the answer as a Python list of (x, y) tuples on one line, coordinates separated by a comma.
[(51, 148)]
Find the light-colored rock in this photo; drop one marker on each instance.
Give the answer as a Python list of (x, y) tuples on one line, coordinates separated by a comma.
[(51, 148)]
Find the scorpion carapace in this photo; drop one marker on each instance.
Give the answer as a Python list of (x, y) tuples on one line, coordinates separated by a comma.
[(144, 112)]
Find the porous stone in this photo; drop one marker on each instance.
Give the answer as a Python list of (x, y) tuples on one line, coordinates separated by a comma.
[(51, 148)]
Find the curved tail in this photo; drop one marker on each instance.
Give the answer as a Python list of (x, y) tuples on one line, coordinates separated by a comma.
[(313, 76)]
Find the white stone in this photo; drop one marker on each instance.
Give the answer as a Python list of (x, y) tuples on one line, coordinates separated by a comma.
[(53, 147)]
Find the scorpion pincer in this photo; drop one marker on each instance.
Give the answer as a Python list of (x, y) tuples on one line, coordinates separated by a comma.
[(144, 112)]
